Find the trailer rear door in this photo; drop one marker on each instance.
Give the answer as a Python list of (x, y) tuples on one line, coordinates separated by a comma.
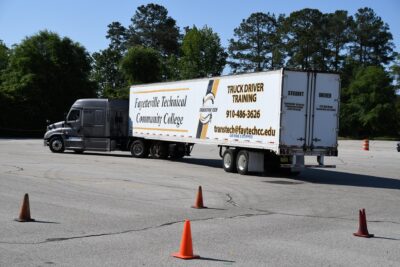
[(310, 103), (325, 110), (294, 109)]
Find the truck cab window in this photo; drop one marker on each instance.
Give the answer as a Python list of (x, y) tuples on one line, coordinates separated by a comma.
[(93, 117), (74, 115)]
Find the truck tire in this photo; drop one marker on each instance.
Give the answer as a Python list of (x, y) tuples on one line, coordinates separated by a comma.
[(271, 163), (139, 149), (242, 162), (159, 150), (229, 160), (177, 151), (56, 144)]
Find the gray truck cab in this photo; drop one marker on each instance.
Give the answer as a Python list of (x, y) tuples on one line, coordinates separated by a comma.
[(91, 124)]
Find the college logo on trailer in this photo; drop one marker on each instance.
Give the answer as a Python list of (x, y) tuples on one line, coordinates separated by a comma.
[(207, 109)]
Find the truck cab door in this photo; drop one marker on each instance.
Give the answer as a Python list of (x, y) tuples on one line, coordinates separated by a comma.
[(94, 129), (74, 136)]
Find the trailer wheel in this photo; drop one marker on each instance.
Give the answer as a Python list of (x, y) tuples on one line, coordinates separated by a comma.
[(56, 145), (242, 162), (139, 149), (159, 150), (177, 151), (271, 163), (229, 160)]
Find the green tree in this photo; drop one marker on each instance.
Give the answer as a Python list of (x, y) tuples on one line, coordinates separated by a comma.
[(336, 30), (4, 59), (107, 73), (152, 27), (45, 75), (5, 102), (141, 65), (4, 56), (372, 41), (395, 71), (370, 104), (202, 54), (302, 32), (170, 68), (106, 66), (118, 35), (256, 44)]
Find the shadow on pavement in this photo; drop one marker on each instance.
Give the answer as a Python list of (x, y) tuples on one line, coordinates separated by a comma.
[(127, 155), (38, 221), (215, 163), (212, 259), (318, 176), (386, 238)]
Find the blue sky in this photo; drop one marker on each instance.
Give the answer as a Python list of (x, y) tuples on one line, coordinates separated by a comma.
[(85, 21)]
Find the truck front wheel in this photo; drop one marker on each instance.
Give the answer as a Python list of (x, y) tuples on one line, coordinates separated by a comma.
[(229, 160), (139, 149), (56, 145), (242, 162)]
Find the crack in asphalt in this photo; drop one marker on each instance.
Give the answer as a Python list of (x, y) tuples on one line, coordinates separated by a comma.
[(245, 215), (384, 222), (260, 212), (18, 169), (320, 217), (302, 215), (59, 239), (231, 201)]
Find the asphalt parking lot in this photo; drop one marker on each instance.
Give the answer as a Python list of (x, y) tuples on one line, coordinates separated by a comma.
[(108, 209)]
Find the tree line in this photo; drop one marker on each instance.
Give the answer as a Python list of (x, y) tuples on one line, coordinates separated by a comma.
[(44, 74)]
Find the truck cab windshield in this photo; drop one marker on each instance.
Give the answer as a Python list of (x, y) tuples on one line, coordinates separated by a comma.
[(73, 115)]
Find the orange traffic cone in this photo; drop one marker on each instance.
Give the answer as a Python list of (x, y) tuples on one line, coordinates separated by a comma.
[(199, 200), (363, 229), (25, 212), (186, 250), (366, 145)]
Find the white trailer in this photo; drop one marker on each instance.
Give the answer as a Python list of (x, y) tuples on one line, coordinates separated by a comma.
[(260, 121)]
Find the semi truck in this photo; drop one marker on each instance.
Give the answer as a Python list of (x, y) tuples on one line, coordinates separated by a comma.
[(260, 121)]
